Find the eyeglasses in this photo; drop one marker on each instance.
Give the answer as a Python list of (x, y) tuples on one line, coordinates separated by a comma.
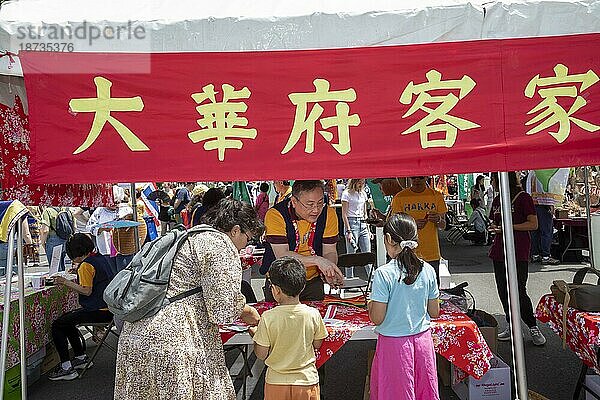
[(311, 206)]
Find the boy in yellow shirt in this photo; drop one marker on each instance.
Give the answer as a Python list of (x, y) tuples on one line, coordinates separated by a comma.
[(287, 336)]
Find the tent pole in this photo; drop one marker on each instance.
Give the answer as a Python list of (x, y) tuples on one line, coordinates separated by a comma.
[(588, 214), (21, 275), (513, 289), (6, 310), (136, 232)]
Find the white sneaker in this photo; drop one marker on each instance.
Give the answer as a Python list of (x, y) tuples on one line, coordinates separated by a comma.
[(504, 336), (536, 336)]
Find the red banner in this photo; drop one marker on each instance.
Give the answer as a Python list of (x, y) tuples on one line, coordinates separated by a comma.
[(359, 112), (15, 166)]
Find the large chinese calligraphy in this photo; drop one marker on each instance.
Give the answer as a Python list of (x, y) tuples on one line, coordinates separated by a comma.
[(222, 127), (445, 102), (342, 120), (102, 106), (550, 89)]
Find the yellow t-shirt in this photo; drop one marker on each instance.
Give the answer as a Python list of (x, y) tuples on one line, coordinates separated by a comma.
[(418, 205), (289, 331), (276, 234), (86, 272)]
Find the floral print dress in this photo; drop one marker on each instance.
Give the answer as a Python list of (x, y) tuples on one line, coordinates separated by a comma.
[(177, 353)]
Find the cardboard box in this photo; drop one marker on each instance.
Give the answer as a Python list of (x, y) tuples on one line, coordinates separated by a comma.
[(490, 332), (593, 384), (559, 213), (494, 385), (51, 359)]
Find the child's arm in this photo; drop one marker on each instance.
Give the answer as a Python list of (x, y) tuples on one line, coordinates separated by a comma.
[(261, 352), (433, 308), (377, 311), (317, 343), (84, 290), (259, 334)]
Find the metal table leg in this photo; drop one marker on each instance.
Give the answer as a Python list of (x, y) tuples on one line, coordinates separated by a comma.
[(570, 228)]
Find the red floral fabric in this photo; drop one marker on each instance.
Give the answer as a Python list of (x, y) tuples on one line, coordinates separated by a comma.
[(14, 169), (583, 329), (455, 336)]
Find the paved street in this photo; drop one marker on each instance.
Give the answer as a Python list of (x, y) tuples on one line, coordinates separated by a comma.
[(551, 370)]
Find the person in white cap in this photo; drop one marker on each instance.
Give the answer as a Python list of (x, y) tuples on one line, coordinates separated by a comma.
[(103, 236)]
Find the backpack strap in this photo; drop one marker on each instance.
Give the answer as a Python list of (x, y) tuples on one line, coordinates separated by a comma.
[(191, 231), (185, 294)]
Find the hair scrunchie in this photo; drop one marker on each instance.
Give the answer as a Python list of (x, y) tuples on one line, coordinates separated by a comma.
[(411, 244)]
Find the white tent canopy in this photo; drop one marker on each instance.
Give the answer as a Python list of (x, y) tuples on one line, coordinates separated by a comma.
[(239, 25)]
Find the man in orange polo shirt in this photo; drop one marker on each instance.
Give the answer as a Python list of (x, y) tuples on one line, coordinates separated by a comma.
[(304, 228)]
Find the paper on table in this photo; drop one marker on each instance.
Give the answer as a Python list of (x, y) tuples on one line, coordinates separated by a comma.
[(55, 260)]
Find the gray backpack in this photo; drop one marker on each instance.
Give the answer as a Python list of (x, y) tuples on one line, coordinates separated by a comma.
[(139, 291)]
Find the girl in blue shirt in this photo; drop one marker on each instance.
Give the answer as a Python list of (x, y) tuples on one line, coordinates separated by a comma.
[(404, 298)]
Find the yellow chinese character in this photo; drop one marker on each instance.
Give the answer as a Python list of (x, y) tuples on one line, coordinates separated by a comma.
[(554, 113), (342, 120), (220, 120), (102, 106), (446, 103)]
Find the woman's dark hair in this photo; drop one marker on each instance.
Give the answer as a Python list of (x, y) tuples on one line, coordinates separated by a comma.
[(79, 245), (264, 187), (212, 197), (289, 274), (402, 227), (475, 203), (513, 183), (229, 213), (479, 182)]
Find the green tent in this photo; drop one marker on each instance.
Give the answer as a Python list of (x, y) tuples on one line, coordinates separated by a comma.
[(240, 192)]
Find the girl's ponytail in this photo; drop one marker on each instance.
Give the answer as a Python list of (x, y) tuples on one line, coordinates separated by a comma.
[(411, 264), (402, 229)]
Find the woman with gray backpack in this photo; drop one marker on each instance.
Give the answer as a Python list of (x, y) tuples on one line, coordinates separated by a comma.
[(173, 350)]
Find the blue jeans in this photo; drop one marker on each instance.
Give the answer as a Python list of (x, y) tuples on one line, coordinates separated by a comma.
[(362, 237), (541, 239), (118, 262), (51, 242)]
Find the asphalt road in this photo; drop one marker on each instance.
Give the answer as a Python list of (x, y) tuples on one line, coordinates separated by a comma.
[(551, 371)]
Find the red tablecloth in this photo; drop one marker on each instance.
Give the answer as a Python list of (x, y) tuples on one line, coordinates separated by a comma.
[(583, 329), (456, 337)]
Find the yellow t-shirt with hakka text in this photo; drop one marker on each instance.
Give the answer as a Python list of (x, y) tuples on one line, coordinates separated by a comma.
[(418, 205)]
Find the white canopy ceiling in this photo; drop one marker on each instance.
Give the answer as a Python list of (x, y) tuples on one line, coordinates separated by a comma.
[(238, 25)]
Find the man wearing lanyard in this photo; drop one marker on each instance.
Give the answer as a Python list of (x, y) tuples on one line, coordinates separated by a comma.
[(303, 227)]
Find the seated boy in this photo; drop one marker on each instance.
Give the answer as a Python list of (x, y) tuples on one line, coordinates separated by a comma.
[(94, 274), (287, 336), (478, 223)]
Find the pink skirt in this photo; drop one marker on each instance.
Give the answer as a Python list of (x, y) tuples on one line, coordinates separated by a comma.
[(404, 368)]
